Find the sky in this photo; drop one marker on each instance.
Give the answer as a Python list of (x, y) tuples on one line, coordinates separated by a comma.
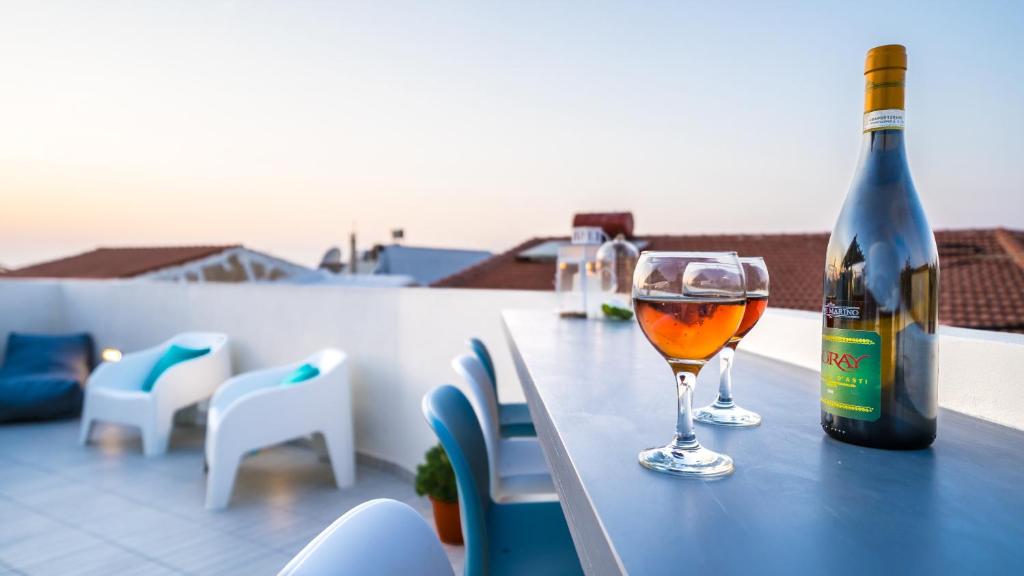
[(286, 125)]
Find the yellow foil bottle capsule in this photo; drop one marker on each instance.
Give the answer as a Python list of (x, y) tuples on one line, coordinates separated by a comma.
[(885, 73)]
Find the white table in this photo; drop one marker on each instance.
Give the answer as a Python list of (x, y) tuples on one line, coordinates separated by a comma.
[(798, 502)]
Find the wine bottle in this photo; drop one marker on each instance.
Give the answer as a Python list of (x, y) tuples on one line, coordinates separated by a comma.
[(879, 346)]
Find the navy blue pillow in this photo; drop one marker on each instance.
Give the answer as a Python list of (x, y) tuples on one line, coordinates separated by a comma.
[(39, 396), (44, 354)]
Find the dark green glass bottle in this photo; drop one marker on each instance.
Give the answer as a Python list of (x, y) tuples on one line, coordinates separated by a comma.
[(879, 361)]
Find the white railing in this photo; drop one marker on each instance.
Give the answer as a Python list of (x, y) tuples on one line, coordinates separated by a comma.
[(402, 339)]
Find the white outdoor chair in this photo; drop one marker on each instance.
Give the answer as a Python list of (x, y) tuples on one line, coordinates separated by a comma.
[(114, 392), (377, 538), (255, 410), (518, 469), (514, 418)]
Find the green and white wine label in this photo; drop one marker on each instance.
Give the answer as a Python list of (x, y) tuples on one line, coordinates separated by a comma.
[(883, 120), (851, 373)]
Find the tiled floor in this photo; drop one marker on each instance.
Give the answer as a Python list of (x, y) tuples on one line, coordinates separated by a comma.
[(105, 509)]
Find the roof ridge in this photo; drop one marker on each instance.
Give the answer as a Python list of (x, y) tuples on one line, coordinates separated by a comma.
[(989, 229), (1011, 245), (733, 234), (98, 248), (166, 247), (45, 269), (979, 230)]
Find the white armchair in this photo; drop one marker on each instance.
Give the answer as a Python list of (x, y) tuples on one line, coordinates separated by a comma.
[(114, 392), (255, 410), (377, 538)]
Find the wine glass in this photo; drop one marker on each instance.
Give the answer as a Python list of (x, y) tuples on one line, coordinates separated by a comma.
[(688, 305), (724, 411)]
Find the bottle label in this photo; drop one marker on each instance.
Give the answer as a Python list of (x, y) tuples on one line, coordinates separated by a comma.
[(851, 373), (883, 120)]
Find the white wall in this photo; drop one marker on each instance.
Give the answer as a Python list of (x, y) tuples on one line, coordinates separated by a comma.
[(29, 306), (978, 370), (400, 341)]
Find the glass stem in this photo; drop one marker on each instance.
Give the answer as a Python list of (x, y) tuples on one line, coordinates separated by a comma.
[(685, 436), (725, 383)]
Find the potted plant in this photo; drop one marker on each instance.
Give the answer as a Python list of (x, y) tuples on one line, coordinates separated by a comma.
[(436, 479)]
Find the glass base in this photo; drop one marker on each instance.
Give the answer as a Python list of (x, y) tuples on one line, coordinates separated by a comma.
[(731, 415), (695, 462)]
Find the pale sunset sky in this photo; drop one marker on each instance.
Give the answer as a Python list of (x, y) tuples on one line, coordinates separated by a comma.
[(281, 125)]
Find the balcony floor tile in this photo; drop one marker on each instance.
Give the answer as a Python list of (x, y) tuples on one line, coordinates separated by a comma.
[(106, 509)]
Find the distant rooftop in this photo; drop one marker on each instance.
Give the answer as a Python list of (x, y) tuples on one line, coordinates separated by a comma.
[(425, 265), (117, 262), (228, 263), (981, 276), (387, 266)]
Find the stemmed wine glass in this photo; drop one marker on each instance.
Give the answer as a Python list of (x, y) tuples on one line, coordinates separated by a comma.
[(688, 305), (724, 411)]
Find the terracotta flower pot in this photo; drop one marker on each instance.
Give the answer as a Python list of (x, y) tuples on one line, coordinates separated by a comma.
[(447, 520)]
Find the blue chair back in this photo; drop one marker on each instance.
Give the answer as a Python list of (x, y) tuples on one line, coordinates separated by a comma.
[(450, 414), (484, 355)]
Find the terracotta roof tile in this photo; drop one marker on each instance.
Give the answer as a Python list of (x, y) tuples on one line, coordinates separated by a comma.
[(117, 262), (981, 286)]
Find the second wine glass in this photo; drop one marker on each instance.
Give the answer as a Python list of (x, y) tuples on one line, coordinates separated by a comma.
[(724, 411)]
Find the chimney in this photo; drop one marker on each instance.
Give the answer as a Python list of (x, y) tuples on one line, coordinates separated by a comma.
[(352, 258), (613, 223)]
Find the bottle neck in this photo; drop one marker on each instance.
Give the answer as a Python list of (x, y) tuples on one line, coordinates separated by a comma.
[(883, 155), (883, 142), (883, 162)]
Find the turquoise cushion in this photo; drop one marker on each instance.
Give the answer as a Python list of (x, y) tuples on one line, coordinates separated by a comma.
[(301, 374), (172, 356), (518, 430)]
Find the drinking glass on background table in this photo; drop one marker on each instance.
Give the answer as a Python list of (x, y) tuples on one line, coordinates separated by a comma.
[(724, 411), (688, 305)]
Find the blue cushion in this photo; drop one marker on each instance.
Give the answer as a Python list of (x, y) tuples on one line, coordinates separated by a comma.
[(301, 374), (70, 354), (39, 396), (172, 356), (42, 376), (518, 430)]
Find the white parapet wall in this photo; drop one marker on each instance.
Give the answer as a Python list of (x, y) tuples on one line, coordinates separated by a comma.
[(401, 340), (31, 306)]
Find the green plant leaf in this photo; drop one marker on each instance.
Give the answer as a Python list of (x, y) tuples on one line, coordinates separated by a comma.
[(616, 313), (435, 477)]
